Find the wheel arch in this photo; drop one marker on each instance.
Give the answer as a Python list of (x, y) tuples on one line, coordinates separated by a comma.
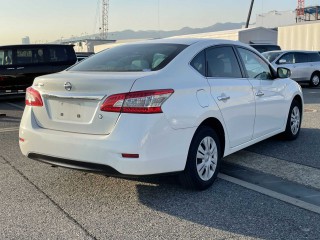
[(315, 72), (215, 124), (298, 98)]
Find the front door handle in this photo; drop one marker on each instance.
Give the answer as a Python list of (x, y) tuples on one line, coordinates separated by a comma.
[(259, 93), (10, 68), (20, 67), (223, 97)]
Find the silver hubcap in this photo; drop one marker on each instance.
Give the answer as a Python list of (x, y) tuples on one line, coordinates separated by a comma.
[(315, 80), (295, 120), (207, 157)]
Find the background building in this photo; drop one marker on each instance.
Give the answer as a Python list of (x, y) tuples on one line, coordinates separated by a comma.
[(25, 40), (275, 19), (303, 36)]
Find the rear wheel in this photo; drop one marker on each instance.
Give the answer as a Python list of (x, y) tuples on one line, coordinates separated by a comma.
[(315, 80), (294, 121), (203, 162)]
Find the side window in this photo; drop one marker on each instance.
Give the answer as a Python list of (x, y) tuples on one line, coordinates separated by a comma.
[(30, 56), (222, 62), (58, 54), (5, 57), (256, 67), (287, 59), (301, 57), (199, 63), (314, 57)]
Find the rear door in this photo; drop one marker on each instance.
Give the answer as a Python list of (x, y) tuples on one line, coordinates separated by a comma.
[(232, 93), (303, 66)]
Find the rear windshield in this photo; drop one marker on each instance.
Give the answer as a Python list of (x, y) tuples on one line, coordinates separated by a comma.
[(131, 58), (271, 56)]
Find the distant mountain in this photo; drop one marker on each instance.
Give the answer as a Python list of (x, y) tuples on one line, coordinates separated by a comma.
[(129, 34)]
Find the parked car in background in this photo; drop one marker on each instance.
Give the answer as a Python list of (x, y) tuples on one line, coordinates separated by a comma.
[(304, 65), (161, 106), (83, 55), (21, 64), (265, 47)]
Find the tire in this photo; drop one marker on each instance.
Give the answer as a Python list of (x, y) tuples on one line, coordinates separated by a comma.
[(205, 141), (294, 121), (314, 80)]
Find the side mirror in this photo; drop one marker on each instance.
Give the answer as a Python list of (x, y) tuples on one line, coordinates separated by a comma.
[(283, 72), (282, 61)]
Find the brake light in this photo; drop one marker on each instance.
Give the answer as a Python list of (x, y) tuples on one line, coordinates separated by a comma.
[(33, 98), (137, 102)]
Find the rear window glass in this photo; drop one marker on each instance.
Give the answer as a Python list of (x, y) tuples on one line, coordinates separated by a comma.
[(58, 54), (29, 56), (5, 57), (128, 58), (314, 57)]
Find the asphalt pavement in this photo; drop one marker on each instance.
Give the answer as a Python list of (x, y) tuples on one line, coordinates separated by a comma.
[(43, 202)]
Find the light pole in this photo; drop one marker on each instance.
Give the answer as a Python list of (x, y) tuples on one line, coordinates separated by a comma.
[(249, 14)]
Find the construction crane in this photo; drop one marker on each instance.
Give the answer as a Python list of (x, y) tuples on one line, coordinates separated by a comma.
[(300, 10), (105, 15)]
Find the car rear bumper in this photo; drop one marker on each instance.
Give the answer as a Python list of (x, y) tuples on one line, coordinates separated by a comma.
[(161, 149)]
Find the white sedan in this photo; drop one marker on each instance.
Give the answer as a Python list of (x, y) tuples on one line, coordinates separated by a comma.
[(161, 106)]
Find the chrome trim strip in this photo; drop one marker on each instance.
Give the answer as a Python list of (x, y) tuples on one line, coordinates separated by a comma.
[(51, 96)]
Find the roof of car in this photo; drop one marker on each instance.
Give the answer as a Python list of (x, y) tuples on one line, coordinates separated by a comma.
[(188, 41), (35, 45), (289, 51)]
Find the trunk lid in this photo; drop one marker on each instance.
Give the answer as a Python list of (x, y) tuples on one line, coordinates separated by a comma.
[(72, 100)]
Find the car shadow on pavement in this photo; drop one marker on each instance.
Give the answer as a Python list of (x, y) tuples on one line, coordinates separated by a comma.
[(304, 150)]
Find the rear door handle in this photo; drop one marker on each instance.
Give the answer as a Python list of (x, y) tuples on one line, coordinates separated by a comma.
[(259, 93), (10, 68), (20, 67), (223, 97)]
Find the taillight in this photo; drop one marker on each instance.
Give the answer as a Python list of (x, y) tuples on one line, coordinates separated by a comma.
[(33, 98), (137, 102)]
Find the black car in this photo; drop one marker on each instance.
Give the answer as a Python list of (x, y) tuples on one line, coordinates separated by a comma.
[(265, 47), (21, 64)]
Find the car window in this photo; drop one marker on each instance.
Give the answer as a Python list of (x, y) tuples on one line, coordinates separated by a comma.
[(6, 57), (287, 58), (256, 67), (314, 57), (222, 62), (199, 62), (58, 54), (135, 57), (271, 56), (301, 57), (30, 55)]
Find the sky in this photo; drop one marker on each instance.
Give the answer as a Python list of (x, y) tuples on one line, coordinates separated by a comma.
[(49, 20)]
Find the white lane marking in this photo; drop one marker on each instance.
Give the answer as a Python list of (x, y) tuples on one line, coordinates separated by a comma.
[(12, 129), (270, 193), (15, 105)]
